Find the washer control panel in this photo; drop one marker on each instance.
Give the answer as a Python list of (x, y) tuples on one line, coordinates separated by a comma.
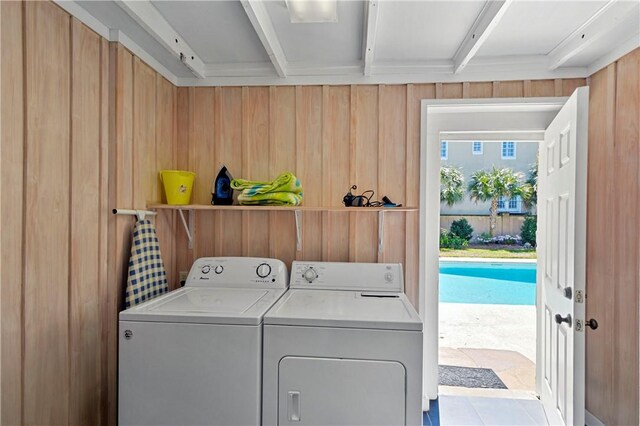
[(347, 276), (238, 272)]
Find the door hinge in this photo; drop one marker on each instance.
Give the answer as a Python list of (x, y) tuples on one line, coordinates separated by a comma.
[(579, 296), (579, 325)]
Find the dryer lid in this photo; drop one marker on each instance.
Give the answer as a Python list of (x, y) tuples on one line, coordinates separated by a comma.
[(349, 309), (207, 305)]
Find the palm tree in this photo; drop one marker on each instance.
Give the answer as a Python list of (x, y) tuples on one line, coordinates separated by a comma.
[(451, 185), (491, 185), (532, 181)]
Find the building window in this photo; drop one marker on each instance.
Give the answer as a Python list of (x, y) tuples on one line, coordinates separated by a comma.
[(477, 148), (508, 150), (444, 150), (512, 205)]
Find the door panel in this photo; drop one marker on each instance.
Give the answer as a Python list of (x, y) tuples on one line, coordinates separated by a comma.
[(561, 262), (329, 391)]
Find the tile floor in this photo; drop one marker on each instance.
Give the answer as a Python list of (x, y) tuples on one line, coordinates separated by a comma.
[(474, 410)]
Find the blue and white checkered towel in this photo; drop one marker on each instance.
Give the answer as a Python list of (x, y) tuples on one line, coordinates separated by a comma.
[(147, 277)]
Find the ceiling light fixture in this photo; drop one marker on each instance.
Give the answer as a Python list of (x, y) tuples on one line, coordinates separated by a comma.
[(312, 11)]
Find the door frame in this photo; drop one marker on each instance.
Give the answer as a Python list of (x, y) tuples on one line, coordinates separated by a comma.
[(515, 118)]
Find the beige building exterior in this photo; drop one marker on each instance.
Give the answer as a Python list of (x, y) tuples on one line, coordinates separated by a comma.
[(473, 156)]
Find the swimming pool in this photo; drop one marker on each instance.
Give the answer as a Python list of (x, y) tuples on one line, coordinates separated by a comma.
[(488, 283)]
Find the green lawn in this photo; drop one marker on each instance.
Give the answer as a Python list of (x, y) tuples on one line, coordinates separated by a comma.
[(502, 252)]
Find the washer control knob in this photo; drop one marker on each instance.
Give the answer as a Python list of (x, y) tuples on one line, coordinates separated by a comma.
[(388, 277), (205, 269), (310, 274), (263, 270), (218, 269)]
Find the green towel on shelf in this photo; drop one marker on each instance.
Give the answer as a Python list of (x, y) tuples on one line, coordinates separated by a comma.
[(271, 199), (286, 182)]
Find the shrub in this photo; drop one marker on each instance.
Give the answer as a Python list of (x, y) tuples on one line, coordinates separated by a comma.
[(485, 238), (462, 229), (451, 240), (528, 230)]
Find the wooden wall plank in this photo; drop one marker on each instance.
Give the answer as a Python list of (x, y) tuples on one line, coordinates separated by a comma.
[(84, 306), (336, 154), (228, 152), (11, 213), (542, 88), (46, 289), (309, 167), (508, 89), (626, 182), (107, 286), (165, 109), (145, 180), (480, 90), (124, 162), (571, 84), (391, 162), (600, 346), (415, 94), (452, 90), (282, 158), (255, 149), (201, 161), (184, 255), (364, 171)]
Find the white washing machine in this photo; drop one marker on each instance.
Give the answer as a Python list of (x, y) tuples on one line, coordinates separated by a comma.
[(194, 355), (343, 347)]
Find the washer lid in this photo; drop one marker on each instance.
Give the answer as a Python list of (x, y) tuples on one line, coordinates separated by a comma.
[(348, 309), (207, 305)]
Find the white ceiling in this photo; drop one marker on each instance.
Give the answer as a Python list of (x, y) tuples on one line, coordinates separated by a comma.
[(219, 32), (536, 27), (324, 44), (412, 31), (253, 42)]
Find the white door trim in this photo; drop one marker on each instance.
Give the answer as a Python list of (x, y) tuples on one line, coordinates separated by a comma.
[(447, 115)]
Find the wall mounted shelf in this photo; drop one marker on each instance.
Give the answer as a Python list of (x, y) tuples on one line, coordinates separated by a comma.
[(297, 210)]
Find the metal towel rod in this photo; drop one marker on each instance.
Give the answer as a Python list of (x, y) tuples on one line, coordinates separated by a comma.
[(139, 213)]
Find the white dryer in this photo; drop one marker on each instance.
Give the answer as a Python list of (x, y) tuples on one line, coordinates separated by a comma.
[(194, 355), (343, 347)]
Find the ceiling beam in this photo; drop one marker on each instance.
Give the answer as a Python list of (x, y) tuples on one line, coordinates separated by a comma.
[(485, 23), (616, 19), (261, 22), (370, 32), (147, 16)]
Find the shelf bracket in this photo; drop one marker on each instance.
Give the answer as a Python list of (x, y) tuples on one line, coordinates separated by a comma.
[(380, 231), (298, 216), (188, 228)]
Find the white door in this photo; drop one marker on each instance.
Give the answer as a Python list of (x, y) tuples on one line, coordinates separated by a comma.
[(562, 211)]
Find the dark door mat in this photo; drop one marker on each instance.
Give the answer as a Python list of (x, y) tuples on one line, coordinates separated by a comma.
[(468, 377)]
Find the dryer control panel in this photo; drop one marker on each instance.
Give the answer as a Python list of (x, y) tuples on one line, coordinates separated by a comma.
[(347, 276), (246, 272)]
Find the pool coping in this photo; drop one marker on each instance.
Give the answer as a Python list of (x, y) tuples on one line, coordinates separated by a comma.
[(486, 260)]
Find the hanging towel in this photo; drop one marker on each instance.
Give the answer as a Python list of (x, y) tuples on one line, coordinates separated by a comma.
[(147, 277), (271, 199), (286, 182)]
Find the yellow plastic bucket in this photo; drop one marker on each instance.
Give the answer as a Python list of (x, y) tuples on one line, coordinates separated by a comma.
[(178, 185)]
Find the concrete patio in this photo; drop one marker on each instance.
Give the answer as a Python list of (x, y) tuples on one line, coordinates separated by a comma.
[(499, 337)]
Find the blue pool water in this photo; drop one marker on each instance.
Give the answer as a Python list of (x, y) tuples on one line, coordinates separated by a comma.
[(488, 283)]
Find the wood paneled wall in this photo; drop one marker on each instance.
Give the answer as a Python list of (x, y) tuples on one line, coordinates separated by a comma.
[(54, 220), (69, 154), (142, 143), (331, 137), (86, 126), (613, 241)]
